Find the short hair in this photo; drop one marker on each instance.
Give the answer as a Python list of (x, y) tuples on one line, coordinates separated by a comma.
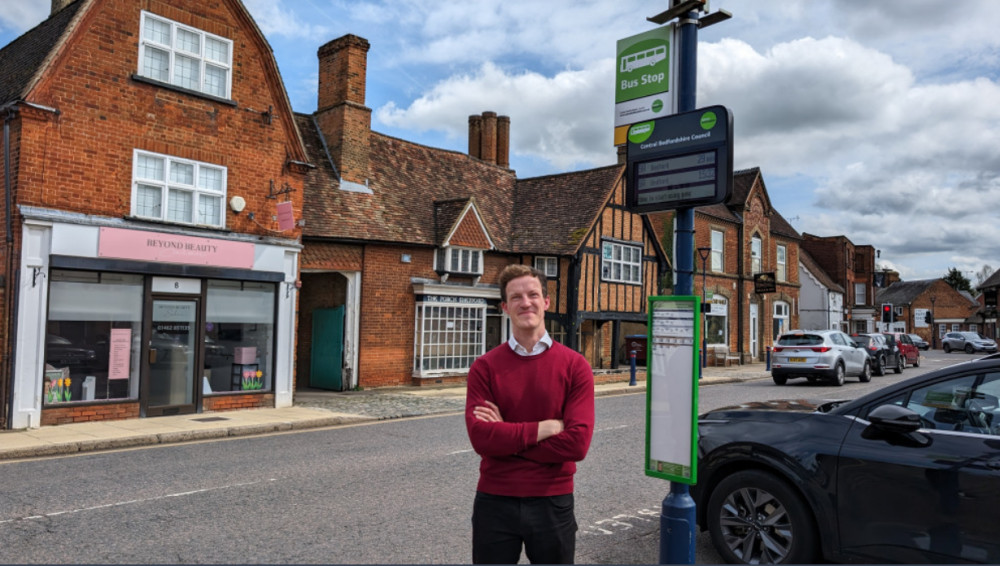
[(513, 271)]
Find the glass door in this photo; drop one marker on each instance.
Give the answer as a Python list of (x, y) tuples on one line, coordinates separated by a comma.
[(170, 383)]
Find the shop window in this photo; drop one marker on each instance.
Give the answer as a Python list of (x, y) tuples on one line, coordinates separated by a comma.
[(177, 190), (781, 318), (185, 57), (92, 337), (621, 263), (448, 335), (548, 265), (717, 321), (239, 336)]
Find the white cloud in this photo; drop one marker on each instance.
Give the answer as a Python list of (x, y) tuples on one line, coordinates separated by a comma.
[(18, 16)]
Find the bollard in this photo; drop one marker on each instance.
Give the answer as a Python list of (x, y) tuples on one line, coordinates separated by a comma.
[(768, 348), (631, 380)]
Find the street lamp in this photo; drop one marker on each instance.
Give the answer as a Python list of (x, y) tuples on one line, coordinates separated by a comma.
[(933, 325), (704, 253)]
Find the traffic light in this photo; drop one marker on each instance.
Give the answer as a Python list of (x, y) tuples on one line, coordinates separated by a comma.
[(928, 319), (887, 312)]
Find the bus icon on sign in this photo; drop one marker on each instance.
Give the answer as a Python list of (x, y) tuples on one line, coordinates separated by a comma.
[(646, 58)]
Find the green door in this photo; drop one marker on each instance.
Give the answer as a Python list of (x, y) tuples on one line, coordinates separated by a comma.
[(327, 349)]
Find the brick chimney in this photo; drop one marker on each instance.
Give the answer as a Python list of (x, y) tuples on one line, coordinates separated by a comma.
[(341, 112), (59, 5), (489, 138)]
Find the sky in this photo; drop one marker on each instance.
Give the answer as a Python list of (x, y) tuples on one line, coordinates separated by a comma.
[(877, 120)]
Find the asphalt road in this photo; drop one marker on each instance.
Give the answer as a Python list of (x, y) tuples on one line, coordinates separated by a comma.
[(396, 491)]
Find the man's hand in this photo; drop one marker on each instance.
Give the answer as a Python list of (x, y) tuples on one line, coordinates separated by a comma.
[(549, 428), (489, 413)]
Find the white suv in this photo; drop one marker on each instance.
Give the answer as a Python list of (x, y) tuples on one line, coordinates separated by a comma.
[(818, 354)]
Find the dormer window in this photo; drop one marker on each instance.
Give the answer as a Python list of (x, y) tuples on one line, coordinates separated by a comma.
[(185, 57), (465, 261)]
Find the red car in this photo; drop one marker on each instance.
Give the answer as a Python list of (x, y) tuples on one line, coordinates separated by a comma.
[(902, 342)]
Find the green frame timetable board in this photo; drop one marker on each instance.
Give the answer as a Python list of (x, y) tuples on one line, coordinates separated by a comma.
[(673, 336)]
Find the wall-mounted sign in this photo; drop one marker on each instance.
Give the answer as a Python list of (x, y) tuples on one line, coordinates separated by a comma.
[(764, 282), (174, 248), (679, 161), (644, 72)]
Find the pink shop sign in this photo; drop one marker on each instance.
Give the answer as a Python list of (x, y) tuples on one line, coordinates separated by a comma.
[(170, 248)]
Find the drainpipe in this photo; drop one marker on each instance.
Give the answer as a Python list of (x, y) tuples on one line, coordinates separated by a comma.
[(740, 291), (11, 289)]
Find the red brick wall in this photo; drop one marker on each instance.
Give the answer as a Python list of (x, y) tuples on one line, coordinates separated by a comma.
[(82, 160), (85, 413), (217, 403)]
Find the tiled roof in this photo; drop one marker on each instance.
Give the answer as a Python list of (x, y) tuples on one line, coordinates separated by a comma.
[(418, 192), (991, 281), (818, 272), (21, 59), (903, 292), (406, 179), (552, 213)]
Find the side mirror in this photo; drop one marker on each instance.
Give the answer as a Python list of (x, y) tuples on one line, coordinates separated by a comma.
[(893, 418)]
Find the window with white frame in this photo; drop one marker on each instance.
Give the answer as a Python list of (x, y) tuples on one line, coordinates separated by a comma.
[(755, 254), (781, 318), (547, 265), (781, 272), (177, 190), (860, 294), (718, 245), (459, 260), (449, 334), (717, 321), (974, 328), (621, 263), (183, 56)]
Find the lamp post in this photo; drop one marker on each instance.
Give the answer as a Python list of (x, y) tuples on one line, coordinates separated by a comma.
[(933, 325), (704, 253)]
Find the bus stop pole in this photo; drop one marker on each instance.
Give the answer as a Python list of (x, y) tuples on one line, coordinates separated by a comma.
[(678, 517)]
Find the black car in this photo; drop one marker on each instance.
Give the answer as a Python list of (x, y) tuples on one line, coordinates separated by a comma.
[(919, 342), (881, 353), (909, 473)]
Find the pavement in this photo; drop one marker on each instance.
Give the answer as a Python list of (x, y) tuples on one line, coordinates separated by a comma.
[(312, 408)]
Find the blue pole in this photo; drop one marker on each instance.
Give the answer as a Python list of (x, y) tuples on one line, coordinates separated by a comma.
[(677, 519)]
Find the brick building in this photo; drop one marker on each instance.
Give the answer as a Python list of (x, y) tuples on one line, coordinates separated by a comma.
[(950, 310), (403, 244), (147, 146), (853, 268), (747, 260)]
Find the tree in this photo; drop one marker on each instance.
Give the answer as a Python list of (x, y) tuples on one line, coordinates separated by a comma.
[(958, 281), (983, 274)]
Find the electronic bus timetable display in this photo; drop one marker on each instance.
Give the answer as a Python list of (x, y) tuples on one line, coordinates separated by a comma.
[(679, 161)]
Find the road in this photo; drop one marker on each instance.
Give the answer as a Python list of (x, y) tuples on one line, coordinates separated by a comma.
[(395, 491)]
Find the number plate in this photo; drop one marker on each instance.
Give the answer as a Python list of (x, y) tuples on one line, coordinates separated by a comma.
[(796, 360)]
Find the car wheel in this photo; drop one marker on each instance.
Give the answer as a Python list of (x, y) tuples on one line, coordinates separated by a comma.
[(947, 349), (916, 361), (756, 518), (900, 363), (838, 376), (866, 373), (880, 365), (969, 349), (779, 379)]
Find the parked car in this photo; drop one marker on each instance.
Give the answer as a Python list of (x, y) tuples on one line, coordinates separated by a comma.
[(919, 342), (969, 342), (818, 354), (908, 353), (879, 353), (904, 474)]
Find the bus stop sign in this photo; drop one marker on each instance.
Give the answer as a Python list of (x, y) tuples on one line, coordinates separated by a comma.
[(679, 161)]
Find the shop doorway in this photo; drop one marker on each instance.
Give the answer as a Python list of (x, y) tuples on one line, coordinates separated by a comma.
[(172, 353), (327, 358)]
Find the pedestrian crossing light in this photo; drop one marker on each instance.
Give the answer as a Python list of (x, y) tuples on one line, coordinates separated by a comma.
[(886, 312)]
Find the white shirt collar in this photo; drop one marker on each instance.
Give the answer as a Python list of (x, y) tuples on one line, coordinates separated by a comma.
[(544, 343)]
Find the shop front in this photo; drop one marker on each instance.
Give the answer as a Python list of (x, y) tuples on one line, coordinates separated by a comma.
[(116, 321)]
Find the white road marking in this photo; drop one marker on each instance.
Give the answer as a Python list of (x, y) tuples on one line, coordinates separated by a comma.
[(133, 501)]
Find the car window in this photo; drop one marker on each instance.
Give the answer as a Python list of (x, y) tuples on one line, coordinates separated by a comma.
[(966, 404), (862, 340), (905, 339), (836, 339), (800, 340)]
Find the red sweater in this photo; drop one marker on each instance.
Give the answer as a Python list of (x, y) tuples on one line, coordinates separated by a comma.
[(556, 384)]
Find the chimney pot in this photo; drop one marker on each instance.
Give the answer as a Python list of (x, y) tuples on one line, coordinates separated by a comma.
[(488, 146)]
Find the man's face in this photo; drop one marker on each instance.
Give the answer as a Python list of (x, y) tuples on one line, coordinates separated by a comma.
[(526, 304)]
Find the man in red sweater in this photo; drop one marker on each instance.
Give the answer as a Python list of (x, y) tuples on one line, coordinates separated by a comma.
[(530, 416)]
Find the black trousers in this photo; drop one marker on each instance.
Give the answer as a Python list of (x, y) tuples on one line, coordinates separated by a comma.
[(545, 526)]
